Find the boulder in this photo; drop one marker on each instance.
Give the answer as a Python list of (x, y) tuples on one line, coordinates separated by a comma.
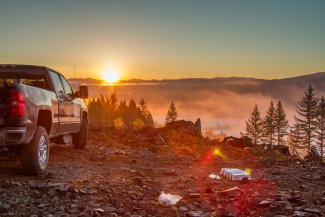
[(282, 149), (186, 126), (241, 142)]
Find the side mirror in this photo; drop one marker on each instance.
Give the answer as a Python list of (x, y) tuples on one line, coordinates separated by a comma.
[(83, 92)]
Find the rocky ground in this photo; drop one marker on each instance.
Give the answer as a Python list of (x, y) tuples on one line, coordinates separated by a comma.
[(122, 173)]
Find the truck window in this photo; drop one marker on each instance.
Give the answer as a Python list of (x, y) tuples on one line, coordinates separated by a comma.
[(57, 83), (66, 86), (27, 77)]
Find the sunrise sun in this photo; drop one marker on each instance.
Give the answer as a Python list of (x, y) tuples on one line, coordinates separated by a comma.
[(111, 75)]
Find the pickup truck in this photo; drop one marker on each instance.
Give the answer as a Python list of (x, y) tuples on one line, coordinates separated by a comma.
[(38, 106)]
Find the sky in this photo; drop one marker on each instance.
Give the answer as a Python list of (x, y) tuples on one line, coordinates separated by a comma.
[(169, 39)]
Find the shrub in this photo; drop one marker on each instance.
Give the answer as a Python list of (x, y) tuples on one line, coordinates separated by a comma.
[(138, 124), (118, 123)]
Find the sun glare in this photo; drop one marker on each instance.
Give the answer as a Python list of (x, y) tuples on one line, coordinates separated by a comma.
[(111, 75)]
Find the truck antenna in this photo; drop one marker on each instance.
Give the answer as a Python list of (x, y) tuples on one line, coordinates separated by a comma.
[(74, 77)]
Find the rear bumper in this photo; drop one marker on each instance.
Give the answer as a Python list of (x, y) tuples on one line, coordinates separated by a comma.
[(12, 136)]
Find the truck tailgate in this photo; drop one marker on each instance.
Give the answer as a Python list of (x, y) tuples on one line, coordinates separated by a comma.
[(4, 104), (2, 137)]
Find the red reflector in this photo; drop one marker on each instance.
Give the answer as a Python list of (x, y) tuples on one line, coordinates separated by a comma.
[(18, 104)]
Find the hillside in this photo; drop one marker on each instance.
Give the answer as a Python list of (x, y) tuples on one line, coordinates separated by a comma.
[(122, 173)]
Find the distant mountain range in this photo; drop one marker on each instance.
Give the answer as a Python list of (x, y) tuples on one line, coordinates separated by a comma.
[(278, 88), (316, 79)]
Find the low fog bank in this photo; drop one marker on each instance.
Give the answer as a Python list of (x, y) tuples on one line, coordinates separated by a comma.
[(220, 103)]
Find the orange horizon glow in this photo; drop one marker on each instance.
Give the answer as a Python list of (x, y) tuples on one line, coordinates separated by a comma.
[(217, 39), (111, 75)]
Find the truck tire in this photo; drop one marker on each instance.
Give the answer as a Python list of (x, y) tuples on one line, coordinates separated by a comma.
[(79, 140), (35, 154)]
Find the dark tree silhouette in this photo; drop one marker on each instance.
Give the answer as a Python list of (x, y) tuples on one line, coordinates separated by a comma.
[(122, 110), (269, 125), (92, 110), (145, 114), (132, 112), (281, 124), (295, 139), (112, 106), (113, 102), (96, 110), (306, 118), (254, 126), (321, 126), (171, 114)]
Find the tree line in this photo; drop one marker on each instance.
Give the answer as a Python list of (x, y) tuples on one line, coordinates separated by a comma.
[(112, 112), (274, 129)]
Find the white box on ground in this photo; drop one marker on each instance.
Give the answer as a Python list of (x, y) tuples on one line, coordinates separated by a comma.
[(235, 174)]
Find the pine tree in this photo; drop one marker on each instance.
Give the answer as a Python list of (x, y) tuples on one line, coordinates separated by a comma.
[(269, 125), (171, 114), (112, 106), (91, 110), (295, 139), (105, 116), (306, 119), (113, 102), (132, 112), (96, 110), (122, 110), (145, 114), (281, 124), (100, 110), (101, 99), (254, 126), (321, 126)]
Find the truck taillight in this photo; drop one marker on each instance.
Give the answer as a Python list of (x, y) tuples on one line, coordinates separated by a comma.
[(18, 104)]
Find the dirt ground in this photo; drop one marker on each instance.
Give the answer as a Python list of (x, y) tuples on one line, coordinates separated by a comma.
[(123, 173)]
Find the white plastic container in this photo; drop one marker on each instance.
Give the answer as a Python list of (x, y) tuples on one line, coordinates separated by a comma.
[(169, 199), (235, 174), (214, 176)]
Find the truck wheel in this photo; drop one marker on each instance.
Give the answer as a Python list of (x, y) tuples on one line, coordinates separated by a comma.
[(80, 139), (35, 155)]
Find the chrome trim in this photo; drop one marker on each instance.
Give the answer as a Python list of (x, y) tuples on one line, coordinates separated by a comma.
[(64, 123), (21, 130), (16, 131)]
